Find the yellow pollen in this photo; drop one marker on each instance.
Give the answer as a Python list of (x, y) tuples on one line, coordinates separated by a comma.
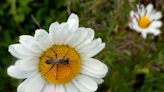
[(144, 22), (59, 64)]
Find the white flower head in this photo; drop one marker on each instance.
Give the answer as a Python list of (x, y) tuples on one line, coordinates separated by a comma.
[(58, 61), (145, 20)]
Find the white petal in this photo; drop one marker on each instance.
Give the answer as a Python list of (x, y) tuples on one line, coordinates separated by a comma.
[(13, 50), (157, 15), (92, 48), (36, 84), (141, 9), (144, 35), (15, 72), (20, 51), (23, 85), (42, 37), (61, 34), (156, 24), (87, 82), (155, 31), (77, 37), (80, 86), (60, 88), (28, 64), (149, 9), (30, 43), (49, 88), (54, 27), (131, 13), (134, 22), (97, 70), (73, 22), (88, 38), (95, 65), (87, 72), (99, 81), (138, 29), (71, 88), (96, 42)]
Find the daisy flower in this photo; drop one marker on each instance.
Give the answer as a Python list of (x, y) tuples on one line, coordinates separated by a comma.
[(145, 20), (58, 61)]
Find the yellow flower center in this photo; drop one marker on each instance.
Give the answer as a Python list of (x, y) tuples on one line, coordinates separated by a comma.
[(144, 22), (59, 64)]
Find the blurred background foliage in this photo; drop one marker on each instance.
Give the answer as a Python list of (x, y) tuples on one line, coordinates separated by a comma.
[(135, 64)]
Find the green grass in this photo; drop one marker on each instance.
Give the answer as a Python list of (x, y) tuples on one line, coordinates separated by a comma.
[(135, 64)]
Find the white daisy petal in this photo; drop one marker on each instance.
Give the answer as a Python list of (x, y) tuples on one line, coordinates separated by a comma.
[(88, 39), (87, 82), (17, 73), (60, 88), (73, 22), (71, 88), (154, 31), (95, 65), (36, 84), (144, 34), (149, 8), (99, 81), (156, 24), (61, 34), (90, 45), (42, 37), (15, 53), (131, 13), (86, 71), (141, 9), (134, 21), (23, 85), (21, 52), (28, 64), (97, 72), (30, 43), (77, 37), (49, 88), (80, 86), (91, 49), (157, 15), (54, 27)]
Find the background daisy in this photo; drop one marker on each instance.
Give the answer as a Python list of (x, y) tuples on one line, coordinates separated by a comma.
[(146, 20)]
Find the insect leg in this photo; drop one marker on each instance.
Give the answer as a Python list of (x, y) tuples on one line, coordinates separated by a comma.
[(54, 52), (56, 71), (50, 69)]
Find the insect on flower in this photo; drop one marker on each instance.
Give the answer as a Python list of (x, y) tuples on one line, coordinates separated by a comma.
[(60, 60)]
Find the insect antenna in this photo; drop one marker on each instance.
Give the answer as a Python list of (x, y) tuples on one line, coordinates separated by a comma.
[(66, 53), (54, 52)]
